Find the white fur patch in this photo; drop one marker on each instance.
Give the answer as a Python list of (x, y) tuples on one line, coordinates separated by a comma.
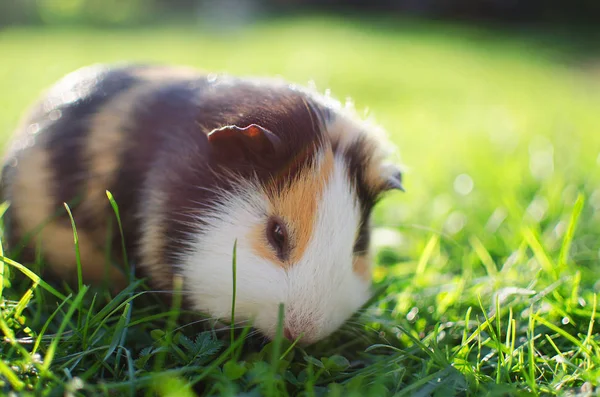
[(319, 292)]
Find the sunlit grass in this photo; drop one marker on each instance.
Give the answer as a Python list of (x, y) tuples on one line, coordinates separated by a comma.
[(486, 268)]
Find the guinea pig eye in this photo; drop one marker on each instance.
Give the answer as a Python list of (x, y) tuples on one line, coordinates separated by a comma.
[(277, 236)]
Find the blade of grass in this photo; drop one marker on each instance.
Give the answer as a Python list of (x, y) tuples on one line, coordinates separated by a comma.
[(116, 301), (289, 349), (562, 333), (567, 241), (590, 330), (76, 304), (234, 277), (24, 301), (115, 208), (426, 255), (3, 207), (175, 309), (557, 350), (480, 328), (119, 330), (484, 256), (109, 315), (34, 277), (539, 252), (130, 370), (278, 339), (509, 342), (86, 324), (77, 251), (409, 390), (466, 329), (531, 350), (38, 340), (1, 270), (496, 337)]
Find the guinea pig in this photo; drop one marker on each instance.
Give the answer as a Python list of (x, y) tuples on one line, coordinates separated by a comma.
[(196, 162)]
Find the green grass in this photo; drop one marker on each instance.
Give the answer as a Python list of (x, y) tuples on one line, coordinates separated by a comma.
[(487, 267)]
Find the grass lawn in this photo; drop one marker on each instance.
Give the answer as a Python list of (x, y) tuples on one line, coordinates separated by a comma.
[(487, 267)]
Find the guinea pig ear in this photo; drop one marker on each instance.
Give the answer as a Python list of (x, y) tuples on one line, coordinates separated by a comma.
[(253, 141), (394, 179)]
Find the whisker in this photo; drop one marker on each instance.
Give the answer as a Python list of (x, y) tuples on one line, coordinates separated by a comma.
[(194, 323), (228, 329), (253, 333)]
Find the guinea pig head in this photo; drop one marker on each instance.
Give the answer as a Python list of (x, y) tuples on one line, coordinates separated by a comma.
[(301, 226)]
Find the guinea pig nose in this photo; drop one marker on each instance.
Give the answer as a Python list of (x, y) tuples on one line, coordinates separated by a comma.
[(287, 334)]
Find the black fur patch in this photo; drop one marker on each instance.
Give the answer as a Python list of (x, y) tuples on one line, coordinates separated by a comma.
[(357, 159)]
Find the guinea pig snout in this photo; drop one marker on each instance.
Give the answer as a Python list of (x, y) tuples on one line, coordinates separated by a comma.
[(300, 326)]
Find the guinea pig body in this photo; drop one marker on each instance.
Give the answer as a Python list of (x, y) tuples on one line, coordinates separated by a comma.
[(195, 163)]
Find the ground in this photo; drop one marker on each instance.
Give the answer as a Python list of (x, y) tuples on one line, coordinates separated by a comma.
[(486, 267)]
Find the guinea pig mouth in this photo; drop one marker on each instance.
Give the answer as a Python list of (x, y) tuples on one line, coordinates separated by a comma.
[(302, 336), (301, 330), (298, 337)]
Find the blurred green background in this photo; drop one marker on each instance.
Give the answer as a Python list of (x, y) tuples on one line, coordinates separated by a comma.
[(142, 11)]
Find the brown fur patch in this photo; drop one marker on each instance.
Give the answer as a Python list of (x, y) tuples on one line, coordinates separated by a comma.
[(297, 206), (105, 143), (32, 206), (59, 248), (362, 267), (31, 201), (152, 242), (102, 152)]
